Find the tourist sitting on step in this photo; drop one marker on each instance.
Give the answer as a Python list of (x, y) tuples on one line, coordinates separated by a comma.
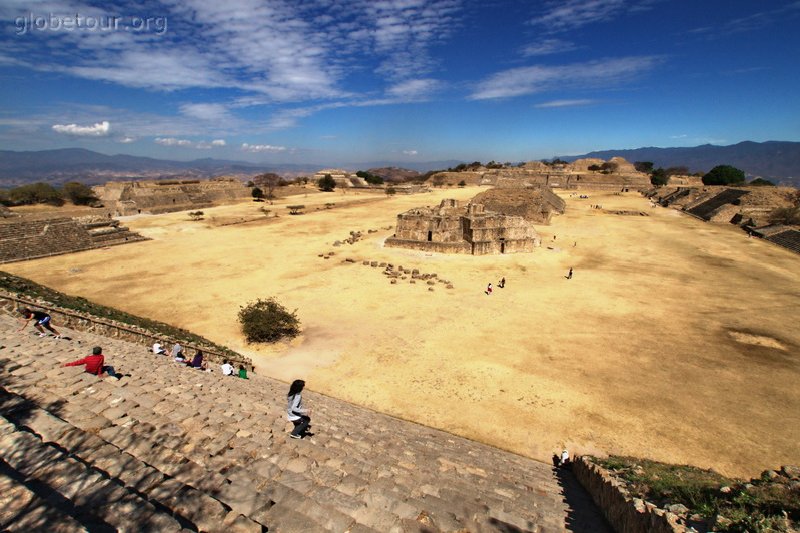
[(41, 322), (295, 412), (197, 360), (564, 462), (177, 351), (227, 368), (242, 372), (94, 364), (158, 349)]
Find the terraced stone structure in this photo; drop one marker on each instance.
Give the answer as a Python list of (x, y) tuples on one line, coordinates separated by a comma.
[(455, 227), (167, 448), (22, 239), (535, 204), (163, 196), (574, 176)]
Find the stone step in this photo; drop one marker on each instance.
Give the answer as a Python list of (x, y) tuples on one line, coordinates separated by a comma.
[(227, 439)]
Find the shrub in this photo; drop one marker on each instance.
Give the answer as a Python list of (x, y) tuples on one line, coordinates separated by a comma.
[(295, 209), (724, 175), (78, 193), (326, 183), (785, 215), (762, 182), (258, 194), (35, 193), (267, 321), (196, 215), (462, 183), (391, 190)]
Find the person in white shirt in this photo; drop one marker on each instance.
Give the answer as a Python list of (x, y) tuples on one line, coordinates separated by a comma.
[(158, 349), (227, 369), (295, 412)]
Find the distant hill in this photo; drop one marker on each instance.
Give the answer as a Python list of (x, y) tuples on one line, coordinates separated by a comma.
[(394, 174), (77, 164), (778, 161)]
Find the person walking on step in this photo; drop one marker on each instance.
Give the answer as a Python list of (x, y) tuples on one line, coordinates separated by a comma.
[(502, 283), (94, 364), (295, 412), (488, 290), (41, 322)]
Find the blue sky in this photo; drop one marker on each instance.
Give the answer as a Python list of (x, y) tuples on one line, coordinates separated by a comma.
[(333, 81)]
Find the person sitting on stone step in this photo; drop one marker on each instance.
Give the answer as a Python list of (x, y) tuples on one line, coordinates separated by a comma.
[(227, 368), (42, 322), (197, 360), (243, 372), (295, 412), (158, 349), (94, 364), (177, 351)]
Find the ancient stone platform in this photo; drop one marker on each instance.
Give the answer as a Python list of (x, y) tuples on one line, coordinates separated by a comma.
[(168, 448)]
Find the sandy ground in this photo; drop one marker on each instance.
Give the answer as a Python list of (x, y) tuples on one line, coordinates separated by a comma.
[(675, 340)]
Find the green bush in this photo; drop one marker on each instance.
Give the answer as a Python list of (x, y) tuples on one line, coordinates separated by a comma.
[(326, 183), (267, 321), (724, 175), (78, 193)]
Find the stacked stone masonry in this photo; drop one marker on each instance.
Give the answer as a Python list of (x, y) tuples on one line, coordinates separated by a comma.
[(468, 229), (29, 239), (153, 197), (168, 448)]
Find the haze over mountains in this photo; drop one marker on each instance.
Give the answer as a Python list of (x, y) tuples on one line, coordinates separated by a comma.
[(778, 161), (775, 160), (77, 164)]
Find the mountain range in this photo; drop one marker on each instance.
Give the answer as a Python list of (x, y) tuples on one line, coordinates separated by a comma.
[(778, 161), (77, 164)]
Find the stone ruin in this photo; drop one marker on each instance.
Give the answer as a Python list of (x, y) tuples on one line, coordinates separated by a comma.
[(570, 176), (455, 227), (535, 205), (22, 239), (163, 196)]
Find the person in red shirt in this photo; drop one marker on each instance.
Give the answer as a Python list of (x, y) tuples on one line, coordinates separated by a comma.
[(94, 363)]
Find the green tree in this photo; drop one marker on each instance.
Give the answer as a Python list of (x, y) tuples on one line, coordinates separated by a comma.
[(326, 183), (258, 194), (762, 182), (594, 168), (391, 190), (78, 193), (643, 166), (659, 177), (608, 167), (269, 181), (724, 175), (35, 193), (196, 215), (438, 180), (267, 321), (462, 183)]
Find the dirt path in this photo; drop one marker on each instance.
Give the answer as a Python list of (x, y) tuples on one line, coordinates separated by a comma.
[(674, 340)]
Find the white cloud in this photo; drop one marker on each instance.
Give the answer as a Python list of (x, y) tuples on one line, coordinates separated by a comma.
[(171, 141), (548, 47), (257, 148), (101, 129), (210, 112), (186, 143), (565, 15), (535, 79), (410, 152), (566, 103), (126, 140), (414, 89)]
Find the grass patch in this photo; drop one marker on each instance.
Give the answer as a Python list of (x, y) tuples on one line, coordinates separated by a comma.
[(714, 502), (25, 288)]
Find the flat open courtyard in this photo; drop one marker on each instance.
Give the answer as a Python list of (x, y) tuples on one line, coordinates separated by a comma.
[(676, 339)]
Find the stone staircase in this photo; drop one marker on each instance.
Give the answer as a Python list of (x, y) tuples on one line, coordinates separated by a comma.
[(789, 239), (29, 239), (706, 209), (168, 448)]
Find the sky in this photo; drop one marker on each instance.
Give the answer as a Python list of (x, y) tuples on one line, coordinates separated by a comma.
[(337, 81)]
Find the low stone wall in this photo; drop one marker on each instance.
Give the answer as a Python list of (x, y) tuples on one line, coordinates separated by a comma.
[(110, 328), (624, 513)]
